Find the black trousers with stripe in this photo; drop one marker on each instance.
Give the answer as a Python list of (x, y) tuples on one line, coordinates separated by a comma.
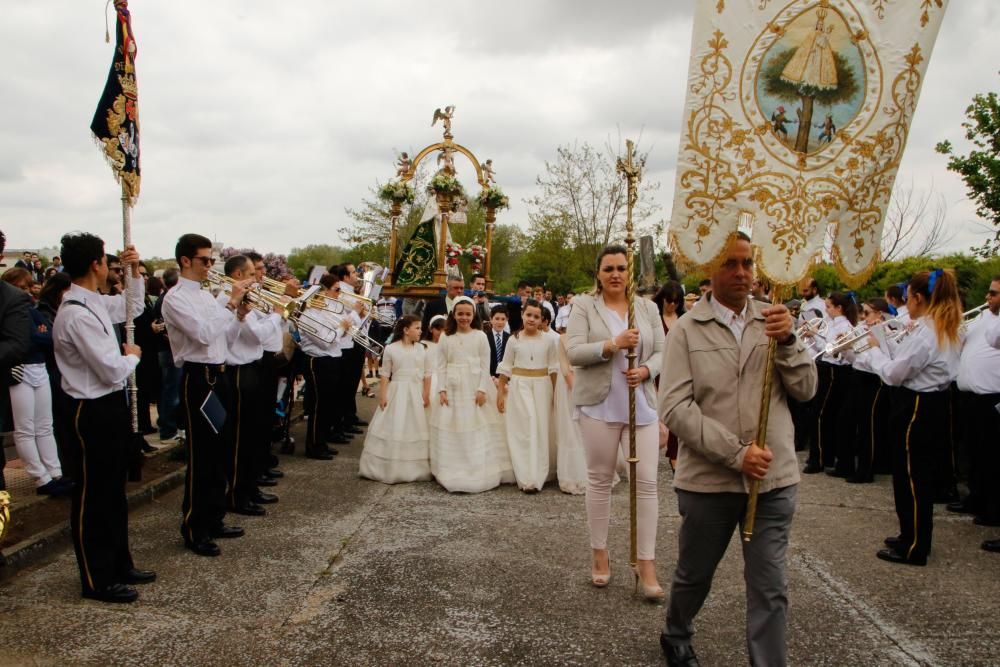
[(204, 506), (821, 451), (269, 399), (869, 447), (98, 432), (920, 427), (354, 363), (324, 376), (982, 441), (243, 436)]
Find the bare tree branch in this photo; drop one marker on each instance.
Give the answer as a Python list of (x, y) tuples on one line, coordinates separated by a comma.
[(915, 224)]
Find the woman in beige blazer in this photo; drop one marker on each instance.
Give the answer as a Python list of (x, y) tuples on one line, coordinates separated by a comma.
[(597, 339)]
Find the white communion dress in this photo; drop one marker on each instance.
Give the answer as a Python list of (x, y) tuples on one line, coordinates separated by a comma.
[(468, 444), (529, 362), (571, 459), (397, 445)]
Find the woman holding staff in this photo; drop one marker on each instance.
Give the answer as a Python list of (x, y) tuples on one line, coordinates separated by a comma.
[(596, 342)]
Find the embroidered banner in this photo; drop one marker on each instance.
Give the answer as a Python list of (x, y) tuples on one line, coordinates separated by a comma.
[(116, 121), (796, 115)]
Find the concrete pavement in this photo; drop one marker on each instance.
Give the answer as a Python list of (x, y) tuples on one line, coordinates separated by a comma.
[(345, 571)]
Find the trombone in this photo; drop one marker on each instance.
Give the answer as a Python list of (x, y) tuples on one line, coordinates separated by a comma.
[(261, 300), (318, 328), (370, 305), (817, 326)]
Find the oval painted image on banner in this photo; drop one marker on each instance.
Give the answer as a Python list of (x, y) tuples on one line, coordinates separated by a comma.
[(812, 80)]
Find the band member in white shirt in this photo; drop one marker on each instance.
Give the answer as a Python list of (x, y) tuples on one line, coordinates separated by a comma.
[(244, 438), (979, 387), (923, 367), (354, 357), (199, 326), (99, 431), (273, 342)]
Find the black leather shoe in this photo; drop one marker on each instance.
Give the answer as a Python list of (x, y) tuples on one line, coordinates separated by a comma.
[(228, 532), (320, 456), (893, 556), (262, 498), (264, 480), (946, 496), (353, 430), (980, 520), (331, 451), (248, 509), (135, 576), (837, 473), (678, 656), (274, 473), (113, 593), (204, 548), (339, 439), (812, 469), (892, 542), (991, 545), (960, 507), (360, 422)]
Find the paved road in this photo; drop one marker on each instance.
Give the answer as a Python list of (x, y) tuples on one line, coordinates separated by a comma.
[(349, 572)]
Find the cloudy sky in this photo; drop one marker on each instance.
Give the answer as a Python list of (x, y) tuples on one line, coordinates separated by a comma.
[(262, 121)]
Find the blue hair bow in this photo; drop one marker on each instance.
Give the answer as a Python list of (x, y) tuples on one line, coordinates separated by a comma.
[(853, 297), (892, 310), (932, 281)]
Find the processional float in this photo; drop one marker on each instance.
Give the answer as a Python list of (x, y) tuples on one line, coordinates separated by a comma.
[(796, 117), (420, 268)]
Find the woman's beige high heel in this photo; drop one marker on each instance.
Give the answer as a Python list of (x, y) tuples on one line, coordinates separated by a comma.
[(651, 593), (601, 580)]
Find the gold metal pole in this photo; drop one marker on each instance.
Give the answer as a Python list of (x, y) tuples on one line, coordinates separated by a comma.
[(632, 172), (444, 209), (777, 296), (491, 217), (397, 211)]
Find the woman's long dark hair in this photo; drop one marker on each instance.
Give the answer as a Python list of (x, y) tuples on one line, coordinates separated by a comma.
[(847, 304), (671, 292), (613, 249), (52, 291), (944, 305)]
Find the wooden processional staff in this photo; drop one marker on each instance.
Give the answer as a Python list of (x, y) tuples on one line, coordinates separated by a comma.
[(631, 170)]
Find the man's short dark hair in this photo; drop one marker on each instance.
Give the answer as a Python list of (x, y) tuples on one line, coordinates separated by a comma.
[(3, 242), (341, 271), (189, 245), (80, 250), (501, 310), (521, 284), (707, 282), (170, 277), (113, 259), (333, 269), (55, 257), (254, 256), (235, 263), (475, 277)]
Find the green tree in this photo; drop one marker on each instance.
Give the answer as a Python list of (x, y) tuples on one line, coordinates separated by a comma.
[(980, 168), (300, 260), (808, 96)]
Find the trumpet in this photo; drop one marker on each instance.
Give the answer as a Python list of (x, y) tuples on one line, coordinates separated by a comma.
[(845, 342), (257, 298), (894, 337), (346, 297), (970, 316), (817, 326)]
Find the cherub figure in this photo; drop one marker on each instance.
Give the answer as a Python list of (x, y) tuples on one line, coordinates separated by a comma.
[(448, 160), (488, 174), (403, 164), (445, 116)]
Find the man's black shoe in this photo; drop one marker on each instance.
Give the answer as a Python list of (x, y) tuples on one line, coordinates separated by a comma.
[(678, 656), (321, 456), (960, 507), (228, 532), (991, 545), (893, 556), (353, 430), (981, 520), (248, 509), (204, 548), (946, 496), (837, 473), (812, 469), (860, 480), (262, 498), (338, 439), (892, 542), (264, 480), (135, 576), (360, 422), (113, 593), (274, 473)]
